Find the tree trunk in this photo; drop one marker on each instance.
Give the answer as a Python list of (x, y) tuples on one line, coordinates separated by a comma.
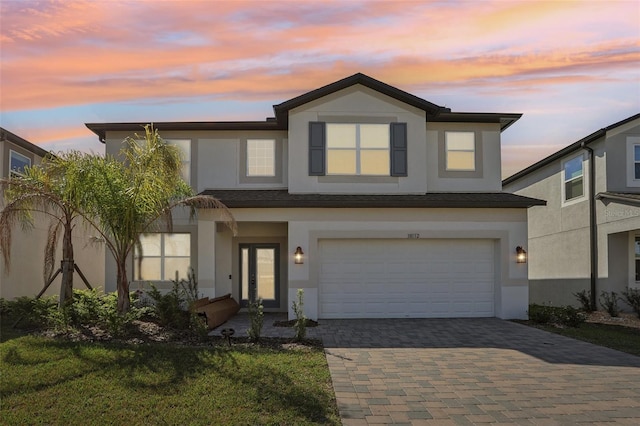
[(123, 287), (66, 285)]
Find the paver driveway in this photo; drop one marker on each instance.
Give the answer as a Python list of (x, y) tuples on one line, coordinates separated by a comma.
[(470, 371)]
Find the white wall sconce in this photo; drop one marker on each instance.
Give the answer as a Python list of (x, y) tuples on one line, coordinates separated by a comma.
[(299, 256), (521, 255)]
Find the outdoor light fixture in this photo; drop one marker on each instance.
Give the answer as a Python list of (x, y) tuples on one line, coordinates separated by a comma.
[(299, 256), (521, 255)]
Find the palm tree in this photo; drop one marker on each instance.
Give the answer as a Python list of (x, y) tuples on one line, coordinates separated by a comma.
[(138, 193), (53, 190)]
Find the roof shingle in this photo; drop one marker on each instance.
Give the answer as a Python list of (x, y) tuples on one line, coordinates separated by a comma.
[(282, 198)]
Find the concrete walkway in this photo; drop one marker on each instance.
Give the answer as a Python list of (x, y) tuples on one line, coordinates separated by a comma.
[(473, 371)]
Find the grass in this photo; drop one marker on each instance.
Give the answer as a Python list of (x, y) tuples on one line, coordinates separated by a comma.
[(624, 339), (47, 381)]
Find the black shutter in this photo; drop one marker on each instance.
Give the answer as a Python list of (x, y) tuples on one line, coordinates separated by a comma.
[(317, 142), (398, 149)]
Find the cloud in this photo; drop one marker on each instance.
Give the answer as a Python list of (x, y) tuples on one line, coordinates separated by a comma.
[(67, 62), (71, 53)]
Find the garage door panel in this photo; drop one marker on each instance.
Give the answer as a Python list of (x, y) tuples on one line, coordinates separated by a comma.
[(406, 278)]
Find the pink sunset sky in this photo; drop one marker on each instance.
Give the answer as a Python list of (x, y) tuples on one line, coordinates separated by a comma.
[(571, 67)]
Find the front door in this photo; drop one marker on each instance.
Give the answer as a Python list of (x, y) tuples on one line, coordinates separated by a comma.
[(259, 274)]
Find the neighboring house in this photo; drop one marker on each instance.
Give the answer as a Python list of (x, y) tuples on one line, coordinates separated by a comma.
[(599, 172), (375, 202), (24, 277)]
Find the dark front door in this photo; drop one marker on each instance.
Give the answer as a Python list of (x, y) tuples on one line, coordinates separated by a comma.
[(259, 274)]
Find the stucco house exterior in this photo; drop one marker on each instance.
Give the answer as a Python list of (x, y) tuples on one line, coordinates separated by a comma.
[(375, 202), (588, 235), (24, 277)]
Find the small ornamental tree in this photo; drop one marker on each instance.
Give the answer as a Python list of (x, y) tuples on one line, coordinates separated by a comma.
[(52, 189), (137, 193)]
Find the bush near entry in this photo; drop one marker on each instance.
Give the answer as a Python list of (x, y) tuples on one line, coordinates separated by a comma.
[(564, 315)]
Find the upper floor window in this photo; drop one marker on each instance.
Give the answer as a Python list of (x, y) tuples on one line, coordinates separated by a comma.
[(358, 149), (573, 177), (162, 255), (261, 157), (184, 146), (460, 151), (633, 161), (17, 163)]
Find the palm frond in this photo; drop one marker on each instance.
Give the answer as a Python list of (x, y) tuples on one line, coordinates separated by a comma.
[(53, 235), (208, 202)]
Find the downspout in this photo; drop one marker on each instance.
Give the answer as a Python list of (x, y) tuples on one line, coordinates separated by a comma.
[(593, 226)]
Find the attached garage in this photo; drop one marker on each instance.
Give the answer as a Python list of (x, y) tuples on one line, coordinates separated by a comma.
[(408, 278)]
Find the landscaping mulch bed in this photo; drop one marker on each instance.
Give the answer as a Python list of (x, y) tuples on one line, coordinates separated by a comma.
[(148, 332), (625, 319), (291, 323)]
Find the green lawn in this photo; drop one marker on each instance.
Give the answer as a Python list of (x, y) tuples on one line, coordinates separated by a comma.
[(625, 339), (65, 383)]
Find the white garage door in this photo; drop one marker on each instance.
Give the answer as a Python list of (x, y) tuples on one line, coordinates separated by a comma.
[(427, 278)]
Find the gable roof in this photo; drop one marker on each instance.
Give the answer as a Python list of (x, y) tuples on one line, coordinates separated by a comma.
[(6, 135), (281, 120), (568, 150), (434, 112), (272, 198), (282, 109)]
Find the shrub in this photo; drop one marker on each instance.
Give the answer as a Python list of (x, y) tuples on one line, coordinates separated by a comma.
[(86, 307), (114, 322), (300, 325), (30, 312), (190, 287), (570, 316), (632, 297), (584, 298), (564, 315), (61, 319), (5, 307), (167, 308), (173, 308), (541, 314), (609, 301), (256, 318)]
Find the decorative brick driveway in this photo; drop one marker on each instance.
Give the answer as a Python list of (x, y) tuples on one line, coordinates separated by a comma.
[(471, 371)]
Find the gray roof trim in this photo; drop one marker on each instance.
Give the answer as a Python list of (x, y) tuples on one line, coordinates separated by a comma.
[(23, 143), (567, 150), (101, 129), (282, 198), (505, 119), (621, 197)]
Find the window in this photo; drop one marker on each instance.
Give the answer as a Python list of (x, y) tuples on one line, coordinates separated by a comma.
[(17, 163), (353, 149), (162, 255), (636, 161), (573, 179), (261, 157), (358, 149), (460, 151), (184, 146)]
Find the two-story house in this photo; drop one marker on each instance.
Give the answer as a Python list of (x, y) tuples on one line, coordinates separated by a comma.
[(587, 237), (24, 276), (375, 202)]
